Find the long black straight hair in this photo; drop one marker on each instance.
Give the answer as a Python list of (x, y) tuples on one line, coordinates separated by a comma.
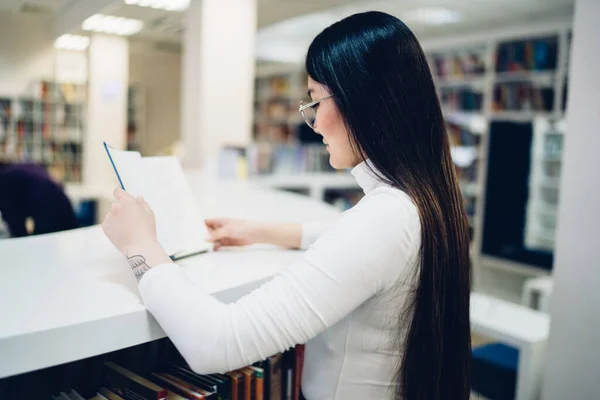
[(382, 86)]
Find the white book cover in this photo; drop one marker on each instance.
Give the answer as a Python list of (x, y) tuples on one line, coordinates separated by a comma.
[(160, 180)]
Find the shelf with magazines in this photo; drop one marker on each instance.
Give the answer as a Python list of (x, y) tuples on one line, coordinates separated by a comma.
[(156, 371), (45, 126)]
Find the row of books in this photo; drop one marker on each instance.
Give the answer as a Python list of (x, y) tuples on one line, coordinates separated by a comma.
[(527, 55), (522, 96), (276, 86), (467, 174), (61, 92), (47, 151), (464, 99), (277, 109), (28, 111), (462, 136), (265, 158), (276, 378), (274, 132), (458, 65)]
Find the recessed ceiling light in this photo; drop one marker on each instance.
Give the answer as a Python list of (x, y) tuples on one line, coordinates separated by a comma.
[(169, 5), (113, 25), (432, 16), (72, 42)]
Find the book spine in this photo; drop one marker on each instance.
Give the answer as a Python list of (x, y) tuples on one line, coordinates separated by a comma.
[(119, 380), (298, 365), (260, 383), (275, 377)]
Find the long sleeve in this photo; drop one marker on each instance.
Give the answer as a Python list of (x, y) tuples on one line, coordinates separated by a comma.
[(311, 232), (362, 254)]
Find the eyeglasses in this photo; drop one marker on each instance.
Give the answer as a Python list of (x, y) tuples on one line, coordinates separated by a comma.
[(308, 111)]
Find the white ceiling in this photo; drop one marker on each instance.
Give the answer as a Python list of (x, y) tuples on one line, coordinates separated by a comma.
[(288, 40), (303, 19), (36, 6)]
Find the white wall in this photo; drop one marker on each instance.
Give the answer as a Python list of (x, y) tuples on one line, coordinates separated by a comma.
[(26, 52), (573, 363), (159, 74)]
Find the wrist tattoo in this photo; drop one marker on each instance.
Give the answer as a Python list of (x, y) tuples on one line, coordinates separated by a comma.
[(138, 264)]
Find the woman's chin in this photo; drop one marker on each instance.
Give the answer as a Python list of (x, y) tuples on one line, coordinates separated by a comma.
[(337, 164)]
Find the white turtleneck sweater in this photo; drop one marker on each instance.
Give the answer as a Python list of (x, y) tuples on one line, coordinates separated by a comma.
[(343, 300)]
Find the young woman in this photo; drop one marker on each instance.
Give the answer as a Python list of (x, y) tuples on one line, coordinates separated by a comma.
[(381, 298)]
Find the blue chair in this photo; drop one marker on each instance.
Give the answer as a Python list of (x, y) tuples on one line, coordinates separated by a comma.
[(494, 371)]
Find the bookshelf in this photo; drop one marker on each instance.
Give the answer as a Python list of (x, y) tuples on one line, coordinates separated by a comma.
[(542, 205), (46, 127), (511, 75), (461, 76), (278, 93), (285, 153)]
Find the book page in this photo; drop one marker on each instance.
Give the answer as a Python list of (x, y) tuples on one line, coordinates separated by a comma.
[(179, 225), (160, 180)]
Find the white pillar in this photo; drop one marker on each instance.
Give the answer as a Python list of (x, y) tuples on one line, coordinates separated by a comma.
[(573, 359), (107, 106), (218, 77)]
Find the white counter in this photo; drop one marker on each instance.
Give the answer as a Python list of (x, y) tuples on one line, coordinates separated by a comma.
[(71, 295)]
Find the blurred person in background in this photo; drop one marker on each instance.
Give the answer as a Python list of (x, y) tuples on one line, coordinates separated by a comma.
[(29, 196)]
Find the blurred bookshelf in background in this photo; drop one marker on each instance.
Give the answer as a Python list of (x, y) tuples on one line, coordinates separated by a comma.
[(286, 154), (136, 117), (45, 126)]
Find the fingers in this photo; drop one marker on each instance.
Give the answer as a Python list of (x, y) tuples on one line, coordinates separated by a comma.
[(218, 234), (142, 202), (214, 223), (119, 193), (223, 243)]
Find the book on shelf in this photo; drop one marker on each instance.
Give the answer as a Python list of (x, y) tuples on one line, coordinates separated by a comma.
[(297, 368), (273, 370), (72, 395), (179, 389), (238, 385), (250, 383), (470, 63), (532, 55), (260, 382), (109, 394), (161, 181), (277, 377), (522, 96), (128, 384), (205, 382)]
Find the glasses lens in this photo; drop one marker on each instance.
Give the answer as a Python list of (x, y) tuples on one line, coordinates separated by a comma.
[(309, 116)]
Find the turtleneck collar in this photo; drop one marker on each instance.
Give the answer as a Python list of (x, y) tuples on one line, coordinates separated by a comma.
[(365, 174)]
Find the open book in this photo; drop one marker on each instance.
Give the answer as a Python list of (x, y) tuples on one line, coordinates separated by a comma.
[(160, 180)]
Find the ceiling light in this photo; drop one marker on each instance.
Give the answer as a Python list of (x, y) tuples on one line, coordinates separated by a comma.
[(169, 5), (113, 25), (72, 42), (432, 16)]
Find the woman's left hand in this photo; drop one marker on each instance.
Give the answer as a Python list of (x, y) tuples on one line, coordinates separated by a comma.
[(131, 227)]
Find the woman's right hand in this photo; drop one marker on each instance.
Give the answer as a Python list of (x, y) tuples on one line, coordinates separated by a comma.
[(232, 232)]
